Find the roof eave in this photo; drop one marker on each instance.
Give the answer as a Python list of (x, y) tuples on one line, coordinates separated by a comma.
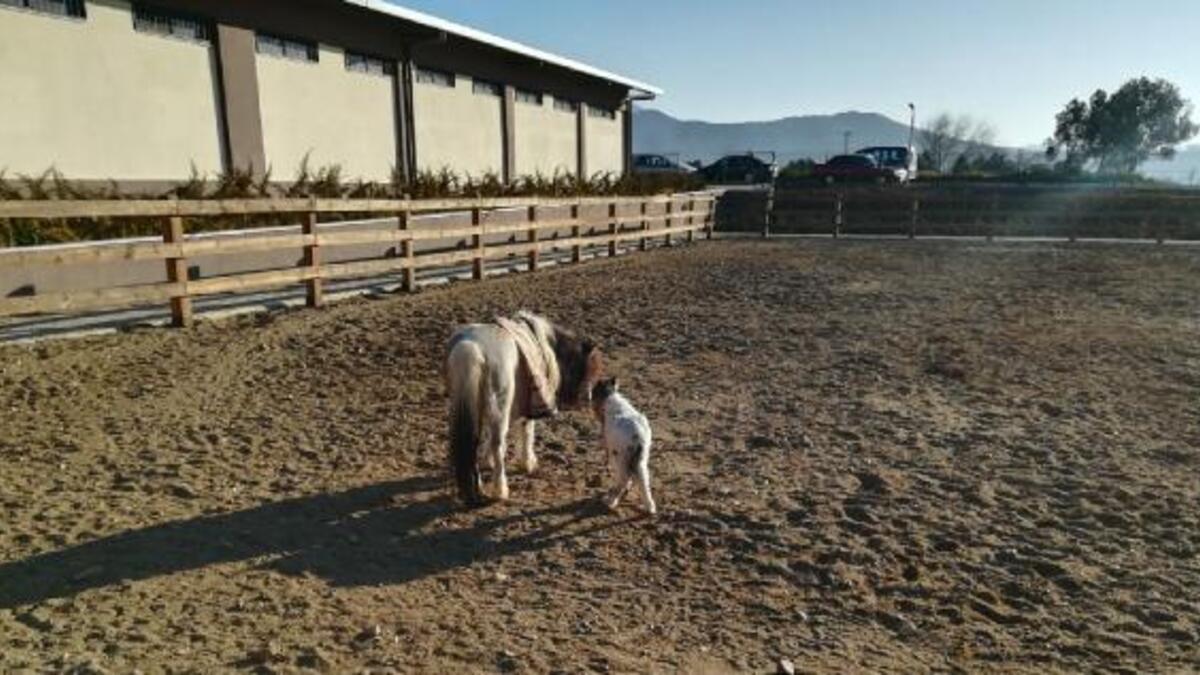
[(649, 91)]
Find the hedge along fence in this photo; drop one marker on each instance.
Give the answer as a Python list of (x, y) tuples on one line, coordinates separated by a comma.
[(986, 211), (544, 225), (325, 182)]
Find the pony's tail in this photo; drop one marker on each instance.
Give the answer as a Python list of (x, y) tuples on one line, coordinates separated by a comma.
[(465, 369)]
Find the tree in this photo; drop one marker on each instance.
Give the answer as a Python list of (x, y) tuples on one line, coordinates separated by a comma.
[(947, 137), (996, 163), (1117, 133)]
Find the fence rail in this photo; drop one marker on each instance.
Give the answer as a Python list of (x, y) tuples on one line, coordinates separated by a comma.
[(1061, 212), (683, 215)]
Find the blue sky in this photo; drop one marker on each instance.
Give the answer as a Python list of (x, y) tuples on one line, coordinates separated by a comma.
[(1013, 63)]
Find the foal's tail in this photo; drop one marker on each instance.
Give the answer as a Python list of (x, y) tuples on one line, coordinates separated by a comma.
[(641, 448), (464, 374)]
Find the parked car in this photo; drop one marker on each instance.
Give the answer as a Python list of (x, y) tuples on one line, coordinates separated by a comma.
[(854, 168), (735, 169), (647, 163), (902, 160)]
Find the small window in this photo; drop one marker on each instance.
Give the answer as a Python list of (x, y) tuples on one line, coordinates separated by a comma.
[(566, 105), (287, 48), (530, 97), (437, 77), (486, 88), (159, 22), (605, 113), (73, 8), (371, 65)]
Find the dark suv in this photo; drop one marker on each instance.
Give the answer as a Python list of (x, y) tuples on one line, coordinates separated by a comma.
[(658, 164), (847, 168), (734, 169)]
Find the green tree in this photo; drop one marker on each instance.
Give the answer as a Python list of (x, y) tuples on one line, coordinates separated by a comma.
[(1117, 132), (996, 163), (799, 168)]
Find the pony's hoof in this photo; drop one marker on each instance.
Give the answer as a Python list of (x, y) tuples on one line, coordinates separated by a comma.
[(530, 467), (502, 494)]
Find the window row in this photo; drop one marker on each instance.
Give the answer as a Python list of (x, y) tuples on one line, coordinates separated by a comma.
[(57, 7), (148, 20), (484, 87)]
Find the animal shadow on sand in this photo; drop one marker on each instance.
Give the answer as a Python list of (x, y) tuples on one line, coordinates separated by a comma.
[(364, 536)]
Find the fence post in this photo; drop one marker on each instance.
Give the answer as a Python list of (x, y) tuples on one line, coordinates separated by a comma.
[(576, 248), (837, 217), (407, 250), (177, 273), (314, 294), (612, 230), (916, 214), (691, 220), (994, 225), (532, 237), (710, 211), (477, 271), (769, 211), (645, 225), (669, 220)]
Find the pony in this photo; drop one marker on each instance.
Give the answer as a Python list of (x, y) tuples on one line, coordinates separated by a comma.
[(493, 382)]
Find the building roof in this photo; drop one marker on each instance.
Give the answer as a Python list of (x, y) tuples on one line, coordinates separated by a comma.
[(472, 34)]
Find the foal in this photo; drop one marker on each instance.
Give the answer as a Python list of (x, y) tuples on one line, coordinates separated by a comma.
[(625, 436)]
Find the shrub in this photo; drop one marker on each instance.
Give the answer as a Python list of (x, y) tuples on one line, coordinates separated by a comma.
[(326, 182)]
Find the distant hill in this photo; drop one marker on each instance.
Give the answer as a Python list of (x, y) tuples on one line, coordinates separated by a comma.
[(809, 136), (819, 137), (1184, 168)]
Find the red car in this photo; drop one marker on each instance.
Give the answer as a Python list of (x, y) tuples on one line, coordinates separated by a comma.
[(847, 168)]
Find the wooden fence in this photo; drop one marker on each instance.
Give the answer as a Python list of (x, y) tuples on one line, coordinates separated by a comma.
[(1015, 211), (613, 221)]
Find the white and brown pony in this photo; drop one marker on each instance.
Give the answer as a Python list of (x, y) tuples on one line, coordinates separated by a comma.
[(490, 388)]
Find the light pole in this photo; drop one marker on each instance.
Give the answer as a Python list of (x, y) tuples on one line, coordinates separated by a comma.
[(912, 125)]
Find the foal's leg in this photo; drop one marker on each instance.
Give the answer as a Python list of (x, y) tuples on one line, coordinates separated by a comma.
[(528, 459), (621, 478), (643, 482)]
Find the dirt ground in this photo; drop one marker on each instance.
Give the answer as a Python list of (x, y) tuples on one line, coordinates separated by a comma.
[(869, 456)]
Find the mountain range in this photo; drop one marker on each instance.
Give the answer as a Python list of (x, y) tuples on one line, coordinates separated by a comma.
[(819, 137), (1184, 168), (810, 136)]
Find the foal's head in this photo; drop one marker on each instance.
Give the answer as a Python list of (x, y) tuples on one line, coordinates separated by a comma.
[(580, 366), (600, 393)]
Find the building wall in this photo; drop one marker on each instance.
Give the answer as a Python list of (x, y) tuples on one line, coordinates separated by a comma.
[(99, 100), (330, 114), (605, 144), (457, 128), (546, 139)]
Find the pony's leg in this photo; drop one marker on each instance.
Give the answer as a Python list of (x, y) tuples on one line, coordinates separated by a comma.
[(498, 440), (486, 460), (643, 482), (528, 459)]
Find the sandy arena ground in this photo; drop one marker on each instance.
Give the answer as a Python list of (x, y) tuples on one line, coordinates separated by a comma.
[(870, 456)]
